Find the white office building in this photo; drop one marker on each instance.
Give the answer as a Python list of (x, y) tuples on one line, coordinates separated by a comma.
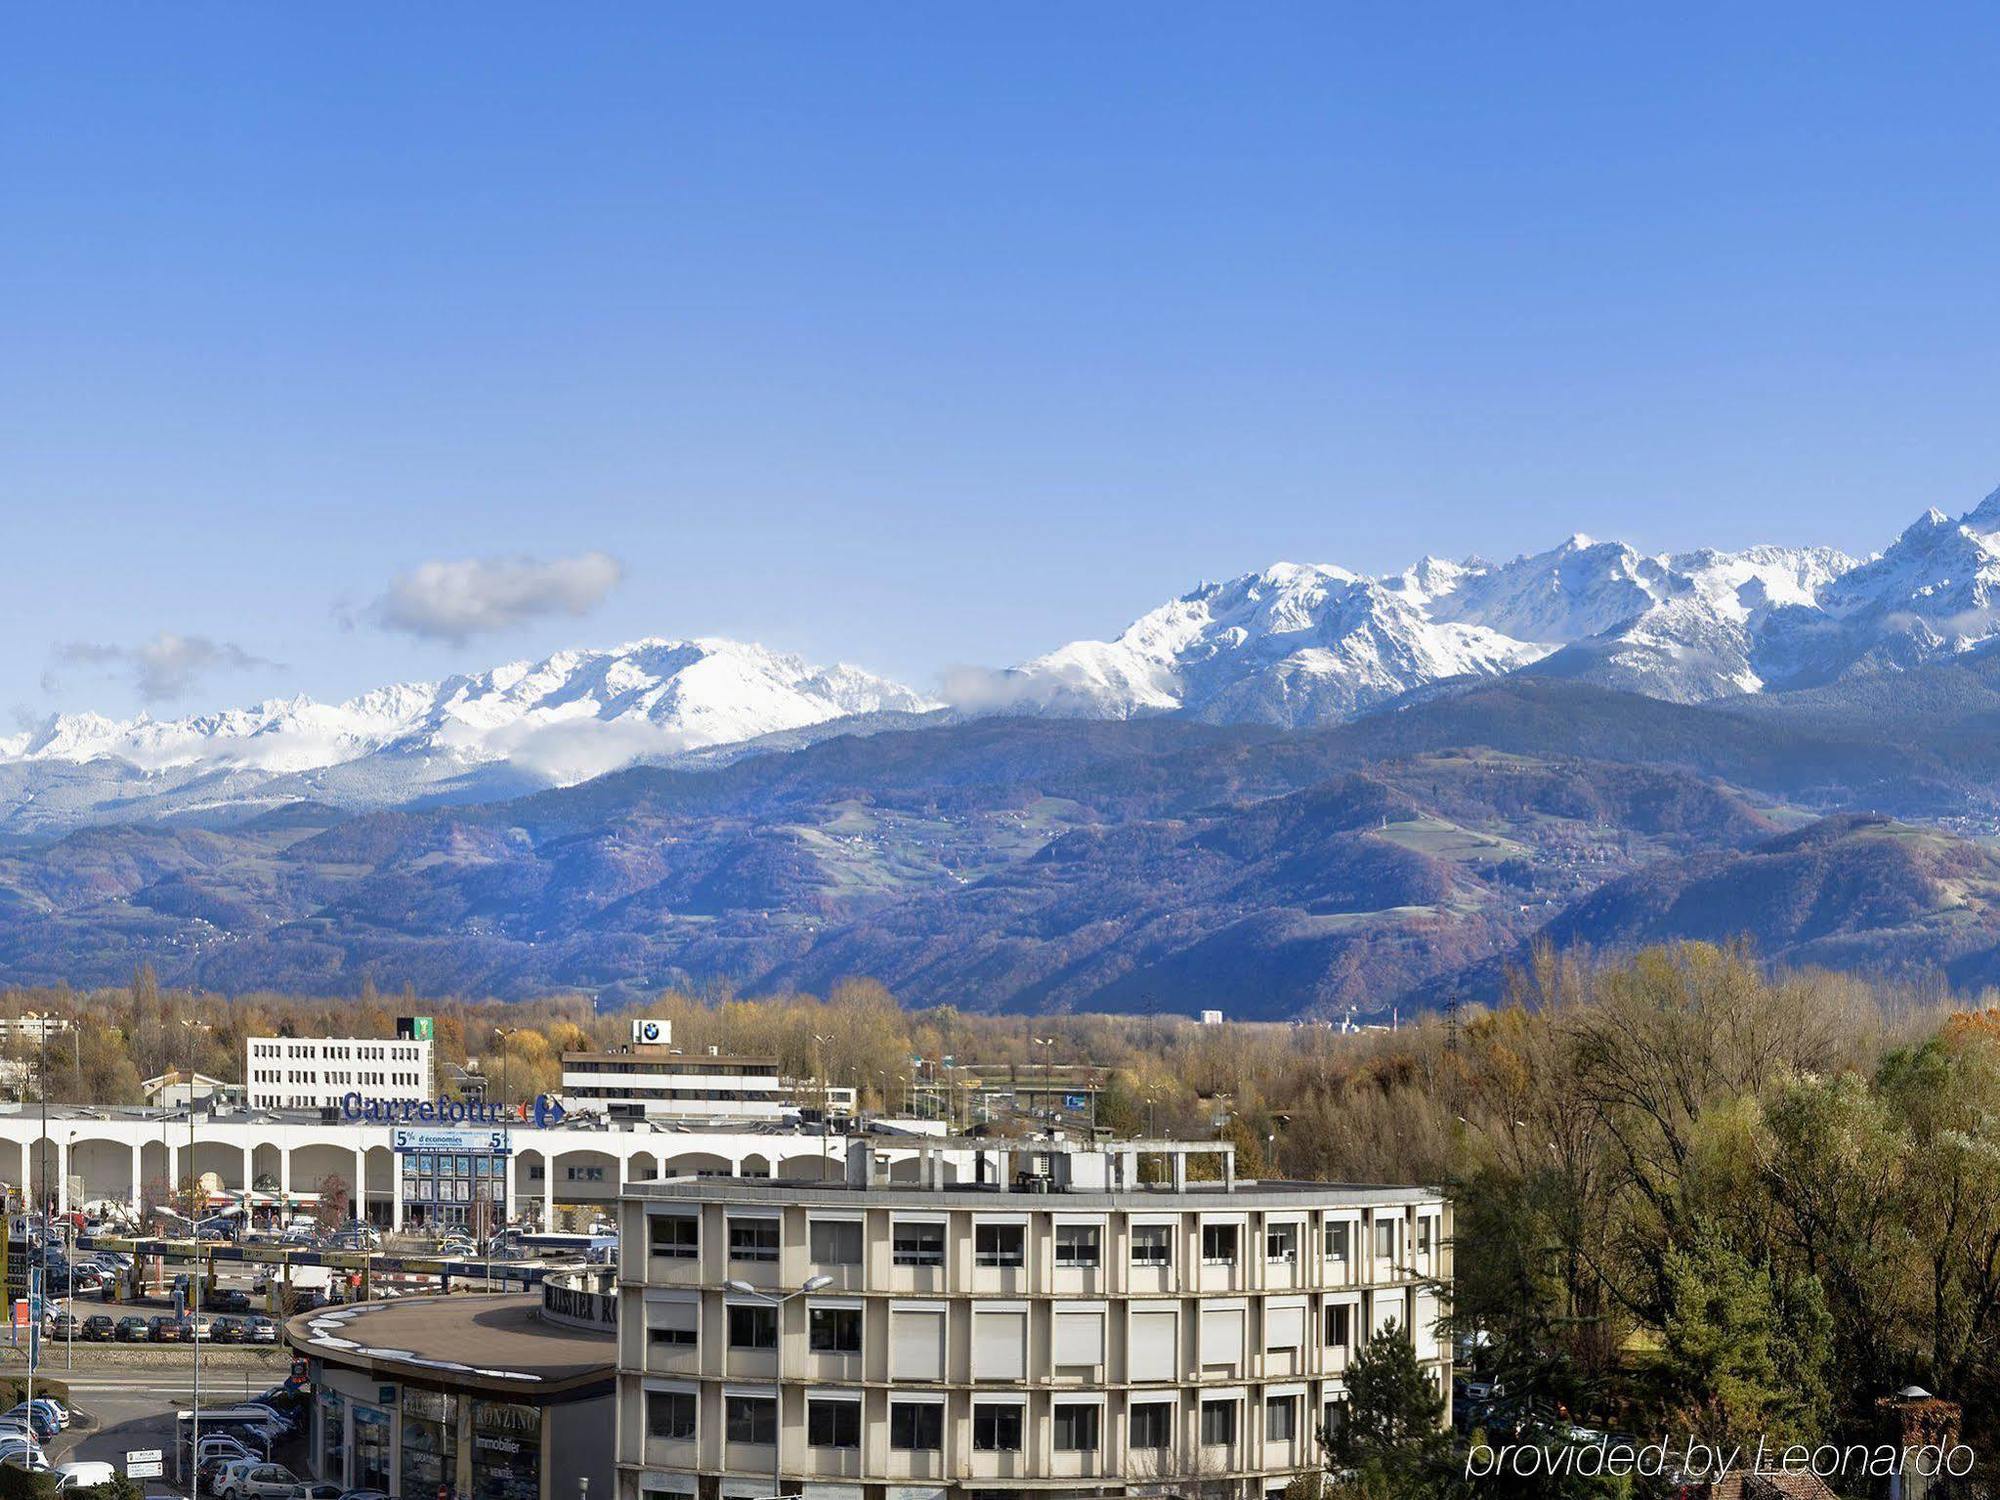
[(654, 1080), (288, 1072), (1021, 1318)]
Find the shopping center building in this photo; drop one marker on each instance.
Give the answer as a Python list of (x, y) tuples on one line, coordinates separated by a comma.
[(505, 1397), (1022, 1317), (273, 1158)]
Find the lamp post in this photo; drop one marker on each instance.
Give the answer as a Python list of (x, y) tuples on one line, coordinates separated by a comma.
[(820, 1041), (37, 1268), (778, 1300), (194, 1279), (506, 1150), (69, 1260), (1047, 1044)]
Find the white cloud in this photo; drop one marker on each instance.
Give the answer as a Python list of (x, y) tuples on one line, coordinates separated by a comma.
[(454, 601), (166, 666), (569, 752)]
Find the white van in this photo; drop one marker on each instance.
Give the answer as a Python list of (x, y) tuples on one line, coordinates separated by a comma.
[(84, 1474)]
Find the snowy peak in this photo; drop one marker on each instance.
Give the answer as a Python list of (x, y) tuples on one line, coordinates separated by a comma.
[(577, 712)]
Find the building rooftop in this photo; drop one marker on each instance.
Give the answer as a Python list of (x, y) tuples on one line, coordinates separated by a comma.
[(499, 1344)]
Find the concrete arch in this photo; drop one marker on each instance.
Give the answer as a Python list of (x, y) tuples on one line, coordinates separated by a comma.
[(583, 1170), (698, 1164), (312, 1165), (106, 1168), (642, 1166), (811, 1169), (754, 1164)]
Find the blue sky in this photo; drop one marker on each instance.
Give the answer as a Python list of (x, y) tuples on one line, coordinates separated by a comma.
[(925, 335)]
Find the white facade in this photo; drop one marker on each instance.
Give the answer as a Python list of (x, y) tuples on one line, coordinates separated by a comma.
[(661, 1082), (974, 1340), (286, 1072), (137, 1156)]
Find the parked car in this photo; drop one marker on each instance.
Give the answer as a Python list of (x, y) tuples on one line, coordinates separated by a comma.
[(100, 1328), (260, 1330), (64, 1324), (227, 1330), (253, 1480), (198, 1325), (134, 1330), (316, 1491), (164, 1329), (84, 1474), (38, 1419), (229, 1299), (22, 1453)]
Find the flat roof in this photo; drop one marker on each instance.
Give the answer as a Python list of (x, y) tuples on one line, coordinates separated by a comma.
[(499, 1344), (1197, 1195)]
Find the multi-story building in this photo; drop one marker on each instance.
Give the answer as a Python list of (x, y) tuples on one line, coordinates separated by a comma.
[(1008, 1318), (295, 1072), (652, 1080)]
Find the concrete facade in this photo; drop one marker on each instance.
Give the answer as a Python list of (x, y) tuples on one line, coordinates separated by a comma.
[(1070, 1330)]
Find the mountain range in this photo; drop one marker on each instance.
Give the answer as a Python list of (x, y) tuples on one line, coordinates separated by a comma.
[(1300, 792), (1294, 645)]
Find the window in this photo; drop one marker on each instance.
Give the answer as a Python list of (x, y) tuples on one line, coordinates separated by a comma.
[(676, 1236), (1281, 1242), (834, 1242), (1077, 1244), (750, 1419), (1338, 1240), (752, 1326), (916, 1426), (917, 1245), (1425, 1228), (996, 1427), (1218, 1244), (999, 1343), (999, 1244), (753, 1239), (1076, 1427), (673, 1325), (833, 1330), (1152, 1244), (1218, 1422), (1340, 1324), (1385, 1238), (670, 1414), (1281, 1418), (833, 1424), (1153, 1425)]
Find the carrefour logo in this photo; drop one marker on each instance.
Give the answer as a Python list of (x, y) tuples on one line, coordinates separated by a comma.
[(358, 1109)]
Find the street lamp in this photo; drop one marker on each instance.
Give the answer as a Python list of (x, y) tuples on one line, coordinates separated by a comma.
[(820, 1042), (778, 1301), (196, 1278), (1047, 1044), (507, 1151)]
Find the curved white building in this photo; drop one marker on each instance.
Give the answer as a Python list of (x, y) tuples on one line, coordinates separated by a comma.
[(1025, 1318), (133, 1156)]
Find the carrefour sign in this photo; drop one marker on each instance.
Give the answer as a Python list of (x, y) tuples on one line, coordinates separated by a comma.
[(358, 1109)]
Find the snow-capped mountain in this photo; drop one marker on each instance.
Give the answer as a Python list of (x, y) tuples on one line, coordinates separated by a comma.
[(574, 715), (1297, 645), (1292, 645)]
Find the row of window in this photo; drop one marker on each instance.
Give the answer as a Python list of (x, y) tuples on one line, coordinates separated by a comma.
[(997, 1426), (339, 1051), (838, 1329), (922, 1242)]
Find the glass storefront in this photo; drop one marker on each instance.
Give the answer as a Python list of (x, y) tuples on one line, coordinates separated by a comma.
[(430, 1443), (506, 1451), (332, 1436), (371, 1449)]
